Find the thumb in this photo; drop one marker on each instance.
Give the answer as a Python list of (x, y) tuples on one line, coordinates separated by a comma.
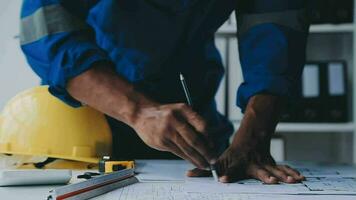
[(198, 173), (232, 175)]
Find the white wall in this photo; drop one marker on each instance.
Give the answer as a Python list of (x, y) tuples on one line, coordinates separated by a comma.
[(15, 74)]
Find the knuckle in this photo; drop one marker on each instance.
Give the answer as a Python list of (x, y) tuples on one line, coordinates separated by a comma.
[(194, 116), (201, 125), (182, 106)]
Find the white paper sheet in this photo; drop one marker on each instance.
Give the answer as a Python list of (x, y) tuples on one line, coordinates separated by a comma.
[(332, 185), (312, 186), (175, 191), (148, 191), (162, 180), (162, 170), (327, 171), (207, 185)]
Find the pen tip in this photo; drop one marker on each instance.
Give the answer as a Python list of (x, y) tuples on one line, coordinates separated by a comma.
[(181, 76)]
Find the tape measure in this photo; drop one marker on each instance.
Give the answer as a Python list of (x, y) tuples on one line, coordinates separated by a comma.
[(106, 165)]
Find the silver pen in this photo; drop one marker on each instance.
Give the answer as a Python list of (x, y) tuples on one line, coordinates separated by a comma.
[(190, 103)]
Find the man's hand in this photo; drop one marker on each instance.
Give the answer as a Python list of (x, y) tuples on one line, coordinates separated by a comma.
[(249, 154), (175, 128), (238, 164)]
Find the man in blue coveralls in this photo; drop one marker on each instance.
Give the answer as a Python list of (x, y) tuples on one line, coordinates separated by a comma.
[(123, 58)]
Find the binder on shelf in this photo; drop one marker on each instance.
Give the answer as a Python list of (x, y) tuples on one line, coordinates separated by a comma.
[(311, 88), (336, 103), (323, 94)]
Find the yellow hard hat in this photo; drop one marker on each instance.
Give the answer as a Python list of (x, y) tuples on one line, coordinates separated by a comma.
[(36, 123)]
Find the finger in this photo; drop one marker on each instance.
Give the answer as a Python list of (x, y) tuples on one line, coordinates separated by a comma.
[(280, 174), (292, 172), (231, 174), (223, 163), (176, 150), (197, 122), (261, 174), (194, 119), (195, 142), (198, 173), (225, 179), (188, 150)]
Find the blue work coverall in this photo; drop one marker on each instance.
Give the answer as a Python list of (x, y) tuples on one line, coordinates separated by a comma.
[(151, 41)]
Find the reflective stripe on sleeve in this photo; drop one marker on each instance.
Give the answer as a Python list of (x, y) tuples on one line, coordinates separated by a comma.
[(295, 19), (46, 21)]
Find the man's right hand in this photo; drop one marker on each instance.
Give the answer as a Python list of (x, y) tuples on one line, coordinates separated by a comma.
[(175, 128), (178, 129)]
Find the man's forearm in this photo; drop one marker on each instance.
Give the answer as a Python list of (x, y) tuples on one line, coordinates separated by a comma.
[(101, 88), (259, 123)]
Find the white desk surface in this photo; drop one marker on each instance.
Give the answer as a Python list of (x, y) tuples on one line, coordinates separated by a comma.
[(41, 192)]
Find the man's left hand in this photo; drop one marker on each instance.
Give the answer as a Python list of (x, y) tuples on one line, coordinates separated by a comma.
[(237, 164), (249, 154)]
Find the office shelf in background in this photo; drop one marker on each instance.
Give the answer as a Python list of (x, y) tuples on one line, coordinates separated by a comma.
[(332, 28), (322, 28), (312, 127)]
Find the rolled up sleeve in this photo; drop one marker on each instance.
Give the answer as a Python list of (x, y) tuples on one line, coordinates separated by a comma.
[(272, 42), (58, 45)]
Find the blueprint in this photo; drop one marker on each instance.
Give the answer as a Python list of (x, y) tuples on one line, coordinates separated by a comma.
[(334, 185), (312, 186), (175, 191), (165, 180)]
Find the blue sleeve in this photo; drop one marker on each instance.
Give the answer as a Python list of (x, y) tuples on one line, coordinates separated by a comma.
[(272, 42), (57, 42)]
